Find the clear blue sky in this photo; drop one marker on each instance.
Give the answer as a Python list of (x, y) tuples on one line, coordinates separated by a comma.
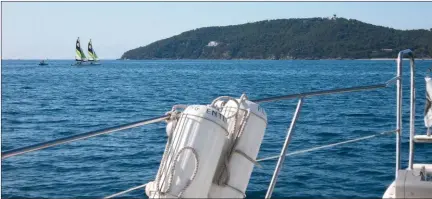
[(34, 30)]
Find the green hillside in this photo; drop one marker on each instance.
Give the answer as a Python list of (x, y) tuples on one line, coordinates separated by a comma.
[(311, 38)]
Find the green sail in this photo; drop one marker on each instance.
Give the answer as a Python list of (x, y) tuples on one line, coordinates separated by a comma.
[(79, 56), (91, 51)]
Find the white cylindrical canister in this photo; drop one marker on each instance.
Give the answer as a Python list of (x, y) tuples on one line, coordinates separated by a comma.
[(248, 144), (190, 159)]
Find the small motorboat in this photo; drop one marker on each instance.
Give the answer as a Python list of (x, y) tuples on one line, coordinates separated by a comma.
[(43, 63)]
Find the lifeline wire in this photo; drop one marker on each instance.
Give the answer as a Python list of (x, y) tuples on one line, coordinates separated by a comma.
[(126, 191), (327, 146)]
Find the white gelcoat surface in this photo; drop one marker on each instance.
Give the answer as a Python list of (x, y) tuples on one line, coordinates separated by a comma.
[(240, 168), (204, 129)]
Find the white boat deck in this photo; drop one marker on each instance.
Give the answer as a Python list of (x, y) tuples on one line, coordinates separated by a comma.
[(423, 138), (416, 183)]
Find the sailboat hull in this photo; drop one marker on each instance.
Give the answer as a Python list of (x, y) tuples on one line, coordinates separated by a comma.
[(80, 64), (86, 64)]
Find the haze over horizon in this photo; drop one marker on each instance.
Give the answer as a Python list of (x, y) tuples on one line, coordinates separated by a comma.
[(48, 30)]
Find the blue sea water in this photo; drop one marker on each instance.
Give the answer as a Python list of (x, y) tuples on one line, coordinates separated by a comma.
[(40, 103)]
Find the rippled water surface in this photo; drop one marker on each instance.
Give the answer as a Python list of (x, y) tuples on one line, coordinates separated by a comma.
[(40, 103)]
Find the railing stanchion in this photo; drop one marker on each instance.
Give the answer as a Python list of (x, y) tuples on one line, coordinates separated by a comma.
[(399, 60), (284, 150), (398, 112), (412, 115)]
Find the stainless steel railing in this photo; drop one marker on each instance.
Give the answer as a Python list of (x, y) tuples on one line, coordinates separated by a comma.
[(300, 96), (401, 55), (284, 150), (398, 80)]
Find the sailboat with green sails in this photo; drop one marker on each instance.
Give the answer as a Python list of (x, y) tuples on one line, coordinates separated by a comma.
[(93, 58), (80, 57)]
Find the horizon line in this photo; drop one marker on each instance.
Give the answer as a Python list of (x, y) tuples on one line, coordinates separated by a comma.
[(240, 59)]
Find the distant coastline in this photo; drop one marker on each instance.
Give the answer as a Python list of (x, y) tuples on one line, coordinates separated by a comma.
[(300, 59), (155, 59), (386, 59), (289, 39)]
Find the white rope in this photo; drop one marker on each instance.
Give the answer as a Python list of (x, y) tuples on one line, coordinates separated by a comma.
[(162, 164), (327, 146), (171, 177), (213, 104), (126, 191), (225, 174), (170, 157)]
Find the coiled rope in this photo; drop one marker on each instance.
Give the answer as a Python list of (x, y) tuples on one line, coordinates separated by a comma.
[(172, 162), (173, 169)]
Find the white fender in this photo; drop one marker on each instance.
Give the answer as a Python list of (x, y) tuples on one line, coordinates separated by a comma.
[(190, 160), (240, 166)]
